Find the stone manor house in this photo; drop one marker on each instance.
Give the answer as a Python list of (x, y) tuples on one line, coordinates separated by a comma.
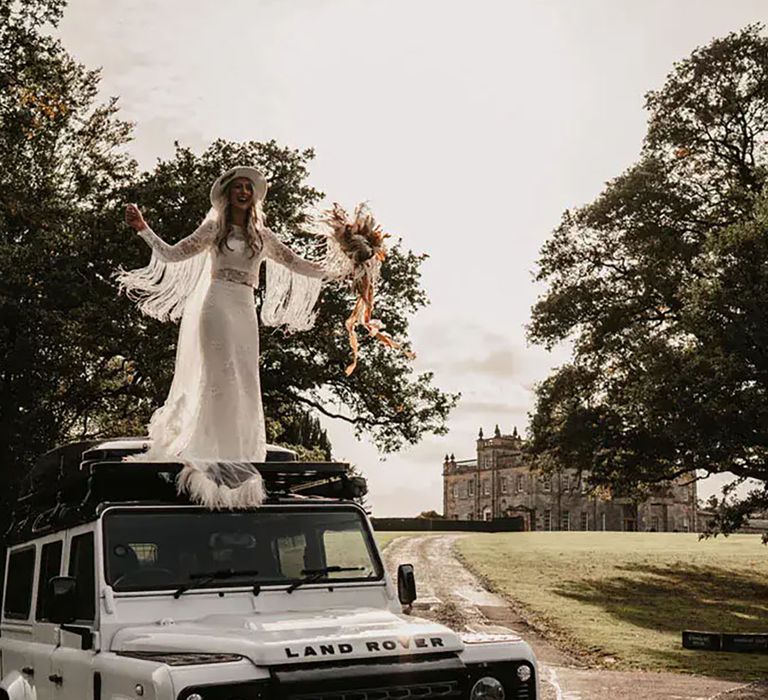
[(502, 482)]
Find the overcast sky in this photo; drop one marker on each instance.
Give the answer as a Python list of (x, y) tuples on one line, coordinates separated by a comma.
[(469, 126)]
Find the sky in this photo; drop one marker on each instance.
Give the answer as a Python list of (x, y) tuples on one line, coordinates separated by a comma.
[(470, 127)]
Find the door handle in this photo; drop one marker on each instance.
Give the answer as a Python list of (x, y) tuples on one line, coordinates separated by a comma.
[(28, 671), (56, 678)]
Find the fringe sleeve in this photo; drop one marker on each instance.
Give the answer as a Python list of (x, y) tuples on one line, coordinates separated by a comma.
[(293, 286), (184, 249), (161, 289)]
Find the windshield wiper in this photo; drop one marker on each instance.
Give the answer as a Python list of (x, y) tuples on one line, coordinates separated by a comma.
[(202, 579), (313, 575)]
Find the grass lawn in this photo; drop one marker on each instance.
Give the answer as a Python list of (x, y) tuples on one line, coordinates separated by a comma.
[(623, 598)]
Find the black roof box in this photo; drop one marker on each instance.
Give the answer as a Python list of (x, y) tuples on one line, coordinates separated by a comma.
[(67, 485), (67, 461)]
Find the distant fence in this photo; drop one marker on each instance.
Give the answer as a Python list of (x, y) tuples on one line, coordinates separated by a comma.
[(427, 524)]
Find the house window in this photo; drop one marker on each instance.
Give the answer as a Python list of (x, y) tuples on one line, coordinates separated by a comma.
[(602, 521), (566, 482), (471, 488), (519, 482), (565, 521), (486, 487), (546, 481), (547, 519), (584, 521), (503, 484), (584, 487), (455, 490)]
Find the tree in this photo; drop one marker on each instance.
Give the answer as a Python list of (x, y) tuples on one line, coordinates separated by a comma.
[(77, 360), (661, 286), (300, 431), (430, 515), (63, 160)]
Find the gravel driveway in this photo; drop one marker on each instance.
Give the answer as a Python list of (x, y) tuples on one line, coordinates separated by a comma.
[(449, 593)]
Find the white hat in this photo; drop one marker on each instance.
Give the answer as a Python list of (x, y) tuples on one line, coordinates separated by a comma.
[(218, 190)]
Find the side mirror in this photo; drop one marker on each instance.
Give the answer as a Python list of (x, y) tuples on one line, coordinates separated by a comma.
[(61, 599), (406, 584)]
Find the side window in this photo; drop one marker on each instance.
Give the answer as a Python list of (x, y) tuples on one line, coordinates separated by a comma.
[(18, 591), (50, 566), (82, 567)]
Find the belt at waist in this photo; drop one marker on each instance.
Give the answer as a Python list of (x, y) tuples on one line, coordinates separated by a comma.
[(229, 274)]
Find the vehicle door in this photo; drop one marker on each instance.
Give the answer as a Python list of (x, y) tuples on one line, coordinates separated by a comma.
[(16, 626), (71, 673), (44, 632)]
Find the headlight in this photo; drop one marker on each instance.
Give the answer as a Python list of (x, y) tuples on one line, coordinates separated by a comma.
[(487, 688), (524, 673)]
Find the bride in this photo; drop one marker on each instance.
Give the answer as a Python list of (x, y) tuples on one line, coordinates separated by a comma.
[(212, 420)]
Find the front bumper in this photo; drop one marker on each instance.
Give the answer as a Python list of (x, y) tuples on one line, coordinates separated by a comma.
[(443, 677)]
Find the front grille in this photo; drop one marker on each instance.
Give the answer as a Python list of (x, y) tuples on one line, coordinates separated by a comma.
[(433, 677), (416, 691)]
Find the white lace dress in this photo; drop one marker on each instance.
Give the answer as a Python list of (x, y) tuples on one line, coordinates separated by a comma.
[(213, 417)]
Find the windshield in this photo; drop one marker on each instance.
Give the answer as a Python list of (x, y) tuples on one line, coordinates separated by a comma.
[(154, 549)]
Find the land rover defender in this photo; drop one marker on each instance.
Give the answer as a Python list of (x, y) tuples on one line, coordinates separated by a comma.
[(119, 588)]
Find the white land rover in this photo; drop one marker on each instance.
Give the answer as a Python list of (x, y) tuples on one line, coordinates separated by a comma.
[(118, 588)]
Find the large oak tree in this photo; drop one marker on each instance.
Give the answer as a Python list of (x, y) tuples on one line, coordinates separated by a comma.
[(661, 284)]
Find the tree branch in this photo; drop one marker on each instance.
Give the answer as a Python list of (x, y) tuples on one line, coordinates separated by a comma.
[(330, 414)]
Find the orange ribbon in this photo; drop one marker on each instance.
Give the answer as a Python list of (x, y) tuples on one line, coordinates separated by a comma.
[(362, 314)]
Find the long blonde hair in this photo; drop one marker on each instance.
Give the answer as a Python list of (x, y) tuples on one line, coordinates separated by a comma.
[(255, 221)]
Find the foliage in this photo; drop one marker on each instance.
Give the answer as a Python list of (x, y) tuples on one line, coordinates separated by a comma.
[(430, 515), (76, 358), (299, 431), (62, 162), (662, 288)]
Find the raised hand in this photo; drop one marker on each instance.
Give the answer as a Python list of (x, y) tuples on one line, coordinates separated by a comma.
[(133, 217)]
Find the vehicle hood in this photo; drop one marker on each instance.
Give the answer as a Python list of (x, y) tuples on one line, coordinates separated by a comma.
[(294, 637)]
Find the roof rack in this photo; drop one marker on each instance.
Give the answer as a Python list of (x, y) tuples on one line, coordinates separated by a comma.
[(67, 485)]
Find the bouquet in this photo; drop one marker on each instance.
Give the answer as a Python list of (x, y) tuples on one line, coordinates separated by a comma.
[(358, 242)]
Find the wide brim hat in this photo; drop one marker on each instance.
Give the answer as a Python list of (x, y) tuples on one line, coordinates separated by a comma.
[(219, 188)]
